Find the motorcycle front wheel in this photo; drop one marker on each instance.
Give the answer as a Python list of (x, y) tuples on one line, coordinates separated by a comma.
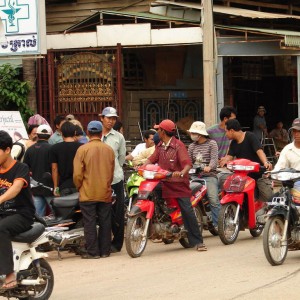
[(275, 250), (135, 243), (41, 291), (228, 231)]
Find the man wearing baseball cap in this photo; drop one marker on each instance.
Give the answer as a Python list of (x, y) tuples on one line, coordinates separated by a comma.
[(290, 154), (171, 154), (93, 174), (37, 159), (116, 140)]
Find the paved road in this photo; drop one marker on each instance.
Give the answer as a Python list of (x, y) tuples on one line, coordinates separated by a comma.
[(238, 271)]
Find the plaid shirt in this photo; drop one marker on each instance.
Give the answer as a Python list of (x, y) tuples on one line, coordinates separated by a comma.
[(173, 157)]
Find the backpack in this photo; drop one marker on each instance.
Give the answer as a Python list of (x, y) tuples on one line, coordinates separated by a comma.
[(18, 150)]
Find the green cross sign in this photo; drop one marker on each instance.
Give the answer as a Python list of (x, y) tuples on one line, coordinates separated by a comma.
[(11, 13)]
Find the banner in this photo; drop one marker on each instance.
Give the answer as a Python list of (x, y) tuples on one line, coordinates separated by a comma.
[(12, 122)]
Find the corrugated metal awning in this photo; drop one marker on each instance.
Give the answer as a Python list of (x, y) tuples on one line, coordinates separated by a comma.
[(247, 13), (234, 11), (289, 38)]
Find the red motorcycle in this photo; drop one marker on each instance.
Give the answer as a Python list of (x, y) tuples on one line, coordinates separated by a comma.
[(239, 208), (153, 217)]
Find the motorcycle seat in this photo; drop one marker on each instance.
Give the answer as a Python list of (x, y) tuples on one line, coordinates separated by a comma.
[(66, 201), (30, 235), (195, 186)]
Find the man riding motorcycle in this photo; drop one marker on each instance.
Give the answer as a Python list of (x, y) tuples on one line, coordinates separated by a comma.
[(171, 154)]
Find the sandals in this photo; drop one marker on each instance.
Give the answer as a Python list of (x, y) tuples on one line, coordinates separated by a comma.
[(201, 247), (6, 286)]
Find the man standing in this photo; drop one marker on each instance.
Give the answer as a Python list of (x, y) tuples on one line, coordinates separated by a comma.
[(37, 157), (259, 124), (16, 207), (61, 158), (93, 174), (246, 145), (171, 154), (56, 136), (217, 132), (115, 140)]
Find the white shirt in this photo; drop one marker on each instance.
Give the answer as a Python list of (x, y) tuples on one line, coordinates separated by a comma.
[(289, 158), (138, 149)]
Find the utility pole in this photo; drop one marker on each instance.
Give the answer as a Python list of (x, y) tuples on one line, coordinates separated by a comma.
[(209, 86)]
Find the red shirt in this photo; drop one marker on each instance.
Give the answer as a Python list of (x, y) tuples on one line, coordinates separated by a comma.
[(174, 158)]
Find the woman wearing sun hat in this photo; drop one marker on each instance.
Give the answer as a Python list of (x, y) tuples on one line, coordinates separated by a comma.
[(204, 150)]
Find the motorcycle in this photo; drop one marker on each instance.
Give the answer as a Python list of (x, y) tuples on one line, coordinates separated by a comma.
[(154, 217), (199, 186), (282, 230), (67, 215), (132, 187), (239, 208), (35, 279)]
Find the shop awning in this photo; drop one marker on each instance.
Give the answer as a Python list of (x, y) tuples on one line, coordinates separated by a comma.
[(289, 38), (234, 11)]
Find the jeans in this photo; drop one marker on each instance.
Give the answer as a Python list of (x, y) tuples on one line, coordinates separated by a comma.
[(213, 198), (40, 203)]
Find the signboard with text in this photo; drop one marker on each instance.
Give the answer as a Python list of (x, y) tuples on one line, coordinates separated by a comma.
[(22, 27), (11, 122)]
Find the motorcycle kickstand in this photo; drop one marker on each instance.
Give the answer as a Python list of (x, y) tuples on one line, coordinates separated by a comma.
[(59, 256)]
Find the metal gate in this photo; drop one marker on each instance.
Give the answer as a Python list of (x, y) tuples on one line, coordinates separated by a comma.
[(82, 83)]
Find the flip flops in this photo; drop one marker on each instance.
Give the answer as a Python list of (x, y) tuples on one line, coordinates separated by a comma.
[(5, 286), (201, 247)]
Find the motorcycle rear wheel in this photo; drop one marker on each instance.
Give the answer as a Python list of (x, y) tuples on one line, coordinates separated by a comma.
[(135, 244), (228, 231), (275, 250), (43, 291)]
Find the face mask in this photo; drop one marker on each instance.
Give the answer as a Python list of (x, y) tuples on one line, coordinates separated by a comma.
[(195, 137)]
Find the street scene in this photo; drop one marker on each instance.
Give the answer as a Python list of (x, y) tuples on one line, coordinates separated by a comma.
[(239, 271), (149, 149)]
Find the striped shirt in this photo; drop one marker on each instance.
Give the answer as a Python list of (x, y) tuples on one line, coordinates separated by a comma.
[(208, 152), (219, 135)]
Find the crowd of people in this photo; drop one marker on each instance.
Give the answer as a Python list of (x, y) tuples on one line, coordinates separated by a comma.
[(92, 162)]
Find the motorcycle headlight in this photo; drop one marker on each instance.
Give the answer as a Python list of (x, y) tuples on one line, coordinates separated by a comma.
[(240, 168)]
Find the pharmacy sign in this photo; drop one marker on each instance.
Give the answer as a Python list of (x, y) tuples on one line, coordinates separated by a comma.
[(22, 27)]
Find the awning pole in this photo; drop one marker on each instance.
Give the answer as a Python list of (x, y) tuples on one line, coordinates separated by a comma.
[(298, 83), (208, 64)]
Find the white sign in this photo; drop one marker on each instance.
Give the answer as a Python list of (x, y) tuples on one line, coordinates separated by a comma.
[(22, 27), (11, 122)]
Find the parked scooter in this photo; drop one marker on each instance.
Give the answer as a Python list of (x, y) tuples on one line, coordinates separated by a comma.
[(239, 208), (67, 214), (35, 279), (282, 230), (198, 185), (156, 218)]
